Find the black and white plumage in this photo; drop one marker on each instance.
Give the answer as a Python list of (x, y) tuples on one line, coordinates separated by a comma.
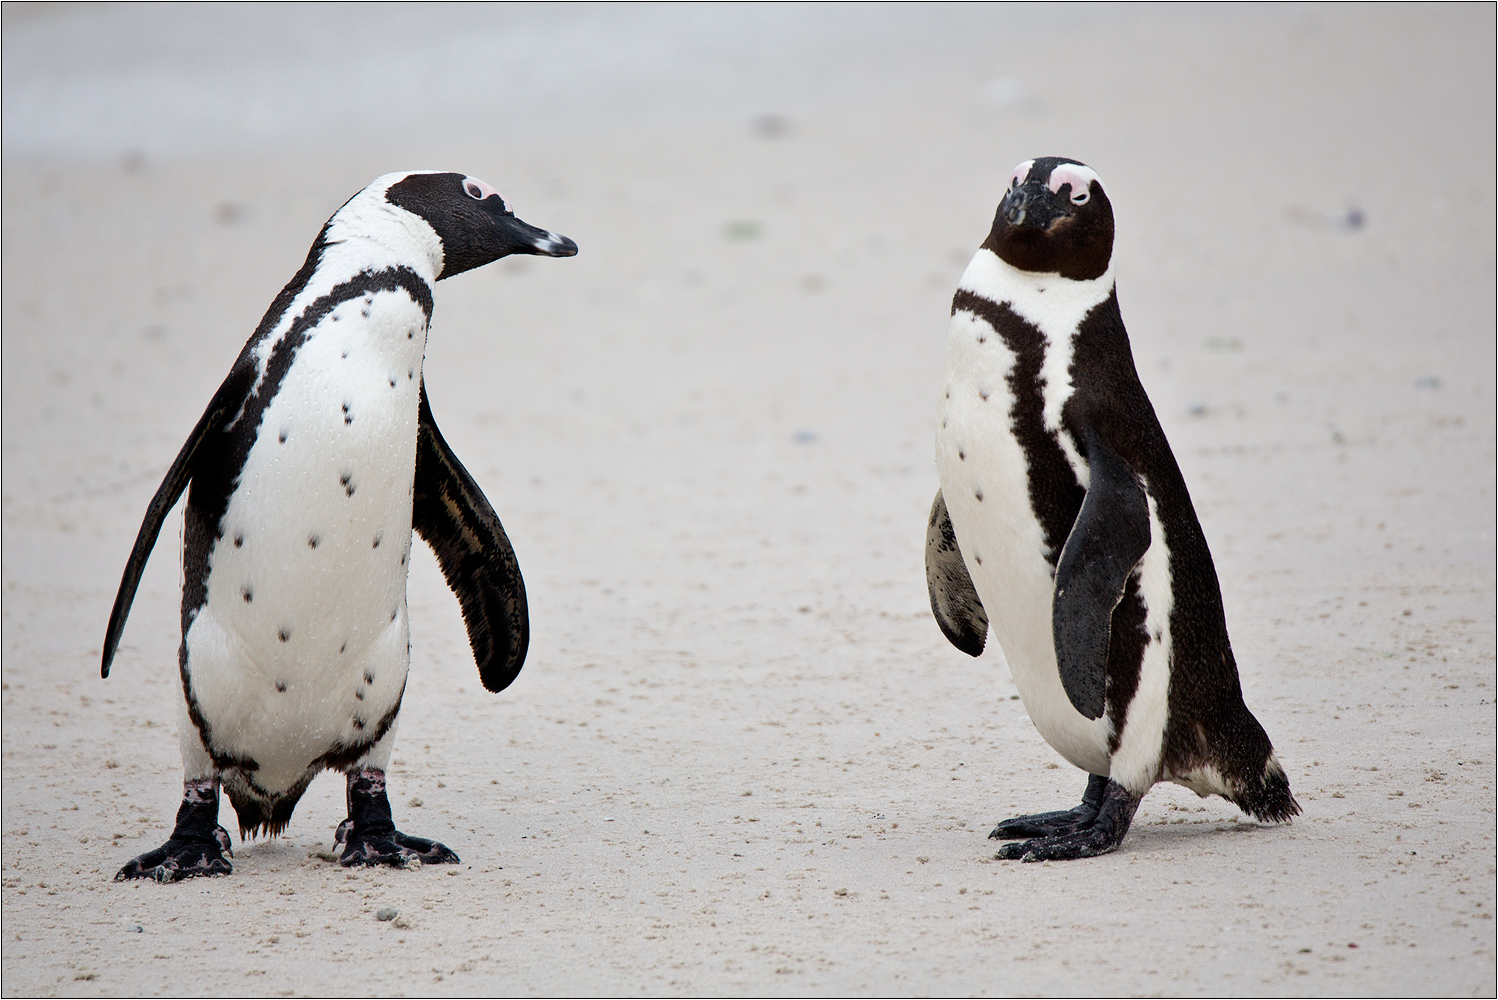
[(1064, 522), (314, 461)]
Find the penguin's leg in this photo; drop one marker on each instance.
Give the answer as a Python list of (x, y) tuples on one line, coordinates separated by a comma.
[(198, 844), (1051, 824), (1101, 836), (368, 835)]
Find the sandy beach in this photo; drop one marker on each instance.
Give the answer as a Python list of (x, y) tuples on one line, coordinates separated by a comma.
[(741, 758)]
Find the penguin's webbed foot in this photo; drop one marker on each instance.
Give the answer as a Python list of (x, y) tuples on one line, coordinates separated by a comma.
[(178, 859), (1067, 847), (1059, 823), (1048, 824), (1101, 835), (369, 836), (391, 847), (197, 845)]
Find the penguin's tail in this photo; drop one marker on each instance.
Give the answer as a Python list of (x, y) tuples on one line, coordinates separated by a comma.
[(1267, 798), (261, 812)]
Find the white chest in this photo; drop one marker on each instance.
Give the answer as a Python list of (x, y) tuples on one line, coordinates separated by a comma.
[(317, 533)]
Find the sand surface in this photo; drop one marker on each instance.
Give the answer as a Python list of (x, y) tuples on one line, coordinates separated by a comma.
[(741, 759)]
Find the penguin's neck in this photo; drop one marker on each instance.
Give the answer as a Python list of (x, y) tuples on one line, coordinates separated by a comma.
[(364, 238), (1053, 304), (371, 234)]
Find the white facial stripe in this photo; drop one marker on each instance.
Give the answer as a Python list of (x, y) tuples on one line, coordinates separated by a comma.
[(1079, 177), (484, 191), (1020, 173)]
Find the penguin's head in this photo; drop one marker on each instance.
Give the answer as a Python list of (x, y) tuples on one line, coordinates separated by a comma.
[(474, 223), (1055, 219)]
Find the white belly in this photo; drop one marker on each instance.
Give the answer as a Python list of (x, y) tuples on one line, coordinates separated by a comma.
[(303, 641), (1002, 542)]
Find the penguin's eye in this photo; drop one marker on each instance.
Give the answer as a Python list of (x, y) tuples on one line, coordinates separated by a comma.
[(480, 191), (1075, 176)]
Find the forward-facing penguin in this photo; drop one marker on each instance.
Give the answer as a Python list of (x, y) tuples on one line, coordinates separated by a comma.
[(1064, 523), (311, 466)]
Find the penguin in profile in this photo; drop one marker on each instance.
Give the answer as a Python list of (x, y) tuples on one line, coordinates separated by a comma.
[(1064, 523), (315, 460)]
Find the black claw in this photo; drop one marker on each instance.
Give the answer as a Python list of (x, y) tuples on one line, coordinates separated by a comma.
[(1099, 835), (1012, 852), (369, 836)]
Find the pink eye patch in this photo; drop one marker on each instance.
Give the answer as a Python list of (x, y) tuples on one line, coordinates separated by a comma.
[(1079, 177), (481, 191)]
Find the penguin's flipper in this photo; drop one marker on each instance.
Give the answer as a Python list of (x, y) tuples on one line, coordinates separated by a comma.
[(226, 402), (954, 601), (450, 513), (1107, 541)]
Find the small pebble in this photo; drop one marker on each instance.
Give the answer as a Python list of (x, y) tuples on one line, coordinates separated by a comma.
[(136, 929), (387, 913), (839, 892)]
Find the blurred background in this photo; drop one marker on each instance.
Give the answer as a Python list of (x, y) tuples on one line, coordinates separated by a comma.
[(709, 435)]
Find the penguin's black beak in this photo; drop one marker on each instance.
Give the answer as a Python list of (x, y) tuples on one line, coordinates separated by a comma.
[(1030, 206), (521, 237)]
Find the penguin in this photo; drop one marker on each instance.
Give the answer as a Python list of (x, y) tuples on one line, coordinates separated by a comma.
[(1064, 524), (305, 477)]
